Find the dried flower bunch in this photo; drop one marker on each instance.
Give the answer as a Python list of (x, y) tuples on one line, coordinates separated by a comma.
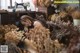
[(74, 40), (67, 37), (41, 38), (63, 17), (53, 17), (14, 36), (5, 29)]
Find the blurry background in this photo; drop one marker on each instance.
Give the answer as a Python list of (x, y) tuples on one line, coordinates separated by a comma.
[(4, 4)]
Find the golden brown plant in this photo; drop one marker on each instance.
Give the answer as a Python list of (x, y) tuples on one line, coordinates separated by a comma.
[(41, 37)]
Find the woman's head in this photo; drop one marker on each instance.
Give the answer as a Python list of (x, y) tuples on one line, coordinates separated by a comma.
[(26, 20)]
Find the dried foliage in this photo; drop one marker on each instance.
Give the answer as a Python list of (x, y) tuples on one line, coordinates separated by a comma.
[(4, 29), (13, 36), (61, 17), (7, 28), (41, 37), (53, 17), (7, 32), (68, 35)]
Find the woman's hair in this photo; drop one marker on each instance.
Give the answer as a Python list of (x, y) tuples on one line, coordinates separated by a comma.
[(25, 17)]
